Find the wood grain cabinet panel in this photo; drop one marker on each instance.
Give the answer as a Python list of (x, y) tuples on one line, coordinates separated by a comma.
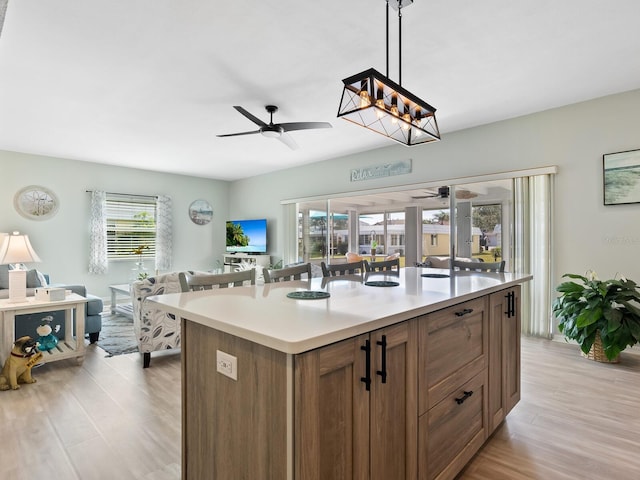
[(453, 348), (346, 430), (453, 430), (412, 400), (232, 428), (504, 359)]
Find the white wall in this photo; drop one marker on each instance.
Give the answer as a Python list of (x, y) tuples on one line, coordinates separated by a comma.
[(62, 242), (587, 235)]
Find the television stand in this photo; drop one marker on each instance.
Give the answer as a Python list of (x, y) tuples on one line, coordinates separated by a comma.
[(231, 261)]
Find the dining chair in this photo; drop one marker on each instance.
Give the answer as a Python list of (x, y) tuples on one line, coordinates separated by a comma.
[(338, 269), (383, 266), (478, 266), (286, 274), (203, 281)]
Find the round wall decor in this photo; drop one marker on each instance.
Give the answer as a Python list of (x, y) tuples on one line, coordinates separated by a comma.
[(200, 212), (36, 203)]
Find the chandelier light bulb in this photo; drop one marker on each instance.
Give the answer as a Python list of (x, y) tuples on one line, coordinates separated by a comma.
[(394, 109), (381, 110), (365, 100), (407, 121)]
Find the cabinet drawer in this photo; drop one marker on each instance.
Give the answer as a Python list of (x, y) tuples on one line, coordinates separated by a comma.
[(453, 348), (451, 432)]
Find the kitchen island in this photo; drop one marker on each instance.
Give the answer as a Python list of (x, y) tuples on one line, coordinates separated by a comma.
[(399, 381)]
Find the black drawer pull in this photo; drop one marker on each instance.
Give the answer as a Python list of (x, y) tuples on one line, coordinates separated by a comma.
[(466, 395), (464, 312), (367, 374)]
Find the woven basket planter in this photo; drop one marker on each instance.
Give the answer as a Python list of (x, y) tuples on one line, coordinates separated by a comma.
[(597, 352)]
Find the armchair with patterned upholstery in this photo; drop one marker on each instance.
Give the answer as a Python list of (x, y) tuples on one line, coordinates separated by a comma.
[(154, 329)]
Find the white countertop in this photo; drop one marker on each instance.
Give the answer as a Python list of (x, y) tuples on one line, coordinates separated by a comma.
[(265, 315)]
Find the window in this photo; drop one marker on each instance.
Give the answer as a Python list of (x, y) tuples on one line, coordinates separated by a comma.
[(131, 227)]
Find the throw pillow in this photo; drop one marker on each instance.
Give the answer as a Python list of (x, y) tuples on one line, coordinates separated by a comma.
[(32, 279), (4, 276), (41, 278)]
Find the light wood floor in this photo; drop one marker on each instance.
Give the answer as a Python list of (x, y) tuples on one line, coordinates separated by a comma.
[(110, 419)]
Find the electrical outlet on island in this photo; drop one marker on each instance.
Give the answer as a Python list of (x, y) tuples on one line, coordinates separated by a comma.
[(227, 364)]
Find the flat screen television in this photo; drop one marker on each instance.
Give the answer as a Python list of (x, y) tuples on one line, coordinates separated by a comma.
[(247, 236)]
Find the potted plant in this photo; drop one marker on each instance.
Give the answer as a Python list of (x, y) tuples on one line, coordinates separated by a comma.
[(374, 247), (603, 316)]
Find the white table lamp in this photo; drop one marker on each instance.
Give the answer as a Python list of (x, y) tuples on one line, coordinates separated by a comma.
[(16, 249)]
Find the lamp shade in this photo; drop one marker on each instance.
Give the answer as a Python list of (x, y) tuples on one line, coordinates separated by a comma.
[(17, 248)]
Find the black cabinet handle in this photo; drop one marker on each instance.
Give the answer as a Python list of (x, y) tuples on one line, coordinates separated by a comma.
[(466, 395), (511, 304), (383, 372), (367, 374), (464, 312), (508, 311)]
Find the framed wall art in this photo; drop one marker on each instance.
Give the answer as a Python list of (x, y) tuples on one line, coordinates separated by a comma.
[(36, 203), (621, 177), (200, 212)]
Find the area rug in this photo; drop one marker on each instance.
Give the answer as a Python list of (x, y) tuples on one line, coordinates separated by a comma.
[(117, 336)]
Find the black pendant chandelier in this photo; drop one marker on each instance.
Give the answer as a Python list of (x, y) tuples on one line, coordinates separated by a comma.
[(376, 102)]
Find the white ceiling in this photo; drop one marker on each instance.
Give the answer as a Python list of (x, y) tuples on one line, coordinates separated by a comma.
[(149, 83)]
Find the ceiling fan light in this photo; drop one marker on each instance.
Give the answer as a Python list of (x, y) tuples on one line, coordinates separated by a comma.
[(271, 133)]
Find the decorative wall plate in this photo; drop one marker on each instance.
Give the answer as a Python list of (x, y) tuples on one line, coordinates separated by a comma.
[(200, 212), (36, 203)]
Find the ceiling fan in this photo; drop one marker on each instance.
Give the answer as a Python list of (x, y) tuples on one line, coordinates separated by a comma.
[(276, 130), (443, 192)]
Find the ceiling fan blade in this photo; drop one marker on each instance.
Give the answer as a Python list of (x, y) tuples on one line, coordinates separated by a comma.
[(236, 134), (292, 126), (251, 117), (288, 141)]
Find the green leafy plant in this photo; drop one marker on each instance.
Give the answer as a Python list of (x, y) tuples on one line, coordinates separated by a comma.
[(610, 308)]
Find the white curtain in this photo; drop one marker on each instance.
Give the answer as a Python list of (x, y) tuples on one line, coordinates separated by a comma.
[(164, 232), (532, 251), (3, 11), (98, 262)]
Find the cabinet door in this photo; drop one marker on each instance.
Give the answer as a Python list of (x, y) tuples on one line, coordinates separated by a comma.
[(511, 335), (331, 419), (394, 406), (504, 354)]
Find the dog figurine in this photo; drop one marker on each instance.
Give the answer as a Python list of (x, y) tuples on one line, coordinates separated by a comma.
[(17, 368)]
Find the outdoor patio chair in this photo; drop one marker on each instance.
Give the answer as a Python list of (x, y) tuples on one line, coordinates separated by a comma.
[(478, 266)]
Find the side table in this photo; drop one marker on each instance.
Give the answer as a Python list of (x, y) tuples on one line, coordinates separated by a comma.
[(69, 346), (121, 289)]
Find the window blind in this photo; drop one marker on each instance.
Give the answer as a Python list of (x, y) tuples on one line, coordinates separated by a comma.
[(131, 227)]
